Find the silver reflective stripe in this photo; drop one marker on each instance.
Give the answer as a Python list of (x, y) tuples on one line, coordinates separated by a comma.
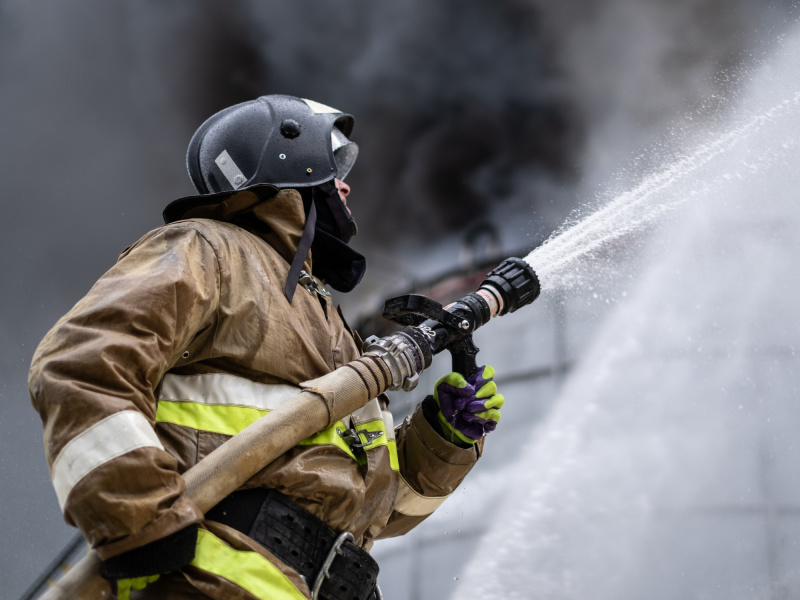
[(413, 504), (114, 436), (338, 139), (230, 169), (221, 388), (371, 411), (318, 108), (388, 419)]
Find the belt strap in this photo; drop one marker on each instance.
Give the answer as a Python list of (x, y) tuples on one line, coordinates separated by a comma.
[(303, 542)]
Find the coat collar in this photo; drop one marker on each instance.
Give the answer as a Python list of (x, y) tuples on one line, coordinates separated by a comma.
[(276, 216)]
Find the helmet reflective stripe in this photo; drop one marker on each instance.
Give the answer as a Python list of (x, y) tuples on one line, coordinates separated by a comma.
[(318, 108), (230, 169), (338, 139)]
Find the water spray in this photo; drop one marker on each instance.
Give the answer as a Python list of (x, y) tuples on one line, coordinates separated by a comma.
[(656, 195)]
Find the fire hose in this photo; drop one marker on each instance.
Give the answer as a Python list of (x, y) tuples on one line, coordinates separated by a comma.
[(393, 362)]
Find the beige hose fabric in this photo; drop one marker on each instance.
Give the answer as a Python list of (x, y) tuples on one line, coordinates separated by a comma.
[(322, 402)]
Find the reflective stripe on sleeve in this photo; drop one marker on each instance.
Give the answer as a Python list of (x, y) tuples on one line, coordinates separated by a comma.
[(114, 436), (249, 570), (413, 504)]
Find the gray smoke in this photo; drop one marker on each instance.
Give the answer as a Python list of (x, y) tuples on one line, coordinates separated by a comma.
[(452, 99)]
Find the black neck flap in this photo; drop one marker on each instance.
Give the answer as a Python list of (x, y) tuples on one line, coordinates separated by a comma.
[(334, 218), (336, 263)]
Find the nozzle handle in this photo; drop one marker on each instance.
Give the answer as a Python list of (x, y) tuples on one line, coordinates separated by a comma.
[(465, 354)]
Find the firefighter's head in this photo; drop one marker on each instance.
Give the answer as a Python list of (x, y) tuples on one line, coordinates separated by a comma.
[(280, 140), (285, 141)]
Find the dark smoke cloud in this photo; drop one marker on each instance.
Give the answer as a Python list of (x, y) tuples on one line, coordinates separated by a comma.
[(451, 100), (465, 111)]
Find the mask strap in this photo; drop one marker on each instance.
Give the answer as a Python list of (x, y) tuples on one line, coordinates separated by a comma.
[(302, 251)]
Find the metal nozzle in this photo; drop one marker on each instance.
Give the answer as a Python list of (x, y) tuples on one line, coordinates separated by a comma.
[(431, 328)]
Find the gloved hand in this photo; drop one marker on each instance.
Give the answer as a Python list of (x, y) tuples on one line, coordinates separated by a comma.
[(125, 586), (468, 408)]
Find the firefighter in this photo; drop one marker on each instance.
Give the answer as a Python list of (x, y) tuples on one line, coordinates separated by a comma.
[(203, 326)]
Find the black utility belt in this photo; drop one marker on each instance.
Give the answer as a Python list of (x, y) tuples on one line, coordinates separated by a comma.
[(330, 563)]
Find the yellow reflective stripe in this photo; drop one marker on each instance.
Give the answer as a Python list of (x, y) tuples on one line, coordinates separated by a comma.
[(393, 460), (373, 426), (380, 425), (249, 570), (330, 436), (229, 420)]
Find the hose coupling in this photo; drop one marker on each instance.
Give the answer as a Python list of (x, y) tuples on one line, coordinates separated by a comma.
[(401, 355)]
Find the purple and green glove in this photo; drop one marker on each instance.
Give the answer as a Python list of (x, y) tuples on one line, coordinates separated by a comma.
[(468, 408)]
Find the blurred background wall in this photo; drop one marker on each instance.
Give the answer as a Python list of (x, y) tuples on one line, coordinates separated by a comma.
[(469, 115)]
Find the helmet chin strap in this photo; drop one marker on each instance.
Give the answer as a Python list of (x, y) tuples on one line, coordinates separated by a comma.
[(329, 222), (302, 251)]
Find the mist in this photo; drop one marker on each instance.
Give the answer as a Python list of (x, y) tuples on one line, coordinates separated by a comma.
[(668, 466)]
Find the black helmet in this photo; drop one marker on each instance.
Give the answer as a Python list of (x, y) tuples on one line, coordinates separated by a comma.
[(281, 140)]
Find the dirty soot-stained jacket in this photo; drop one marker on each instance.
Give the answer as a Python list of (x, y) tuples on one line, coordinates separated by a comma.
[(183, 343)]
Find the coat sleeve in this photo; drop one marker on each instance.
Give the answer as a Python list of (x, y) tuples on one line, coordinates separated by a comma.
[(92, 380), (431, 468)]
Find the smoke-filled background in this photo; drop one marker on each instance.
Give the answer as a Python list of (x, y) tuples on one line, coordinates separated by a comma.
[(510, 113)]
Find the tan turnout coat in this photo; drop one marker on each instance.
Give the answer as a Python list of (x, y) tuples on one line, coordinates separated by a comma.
[(182, 343)]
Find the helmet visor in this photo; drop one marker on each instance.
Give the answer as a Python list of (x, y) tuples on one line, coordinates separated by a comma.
[(345, 153)]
